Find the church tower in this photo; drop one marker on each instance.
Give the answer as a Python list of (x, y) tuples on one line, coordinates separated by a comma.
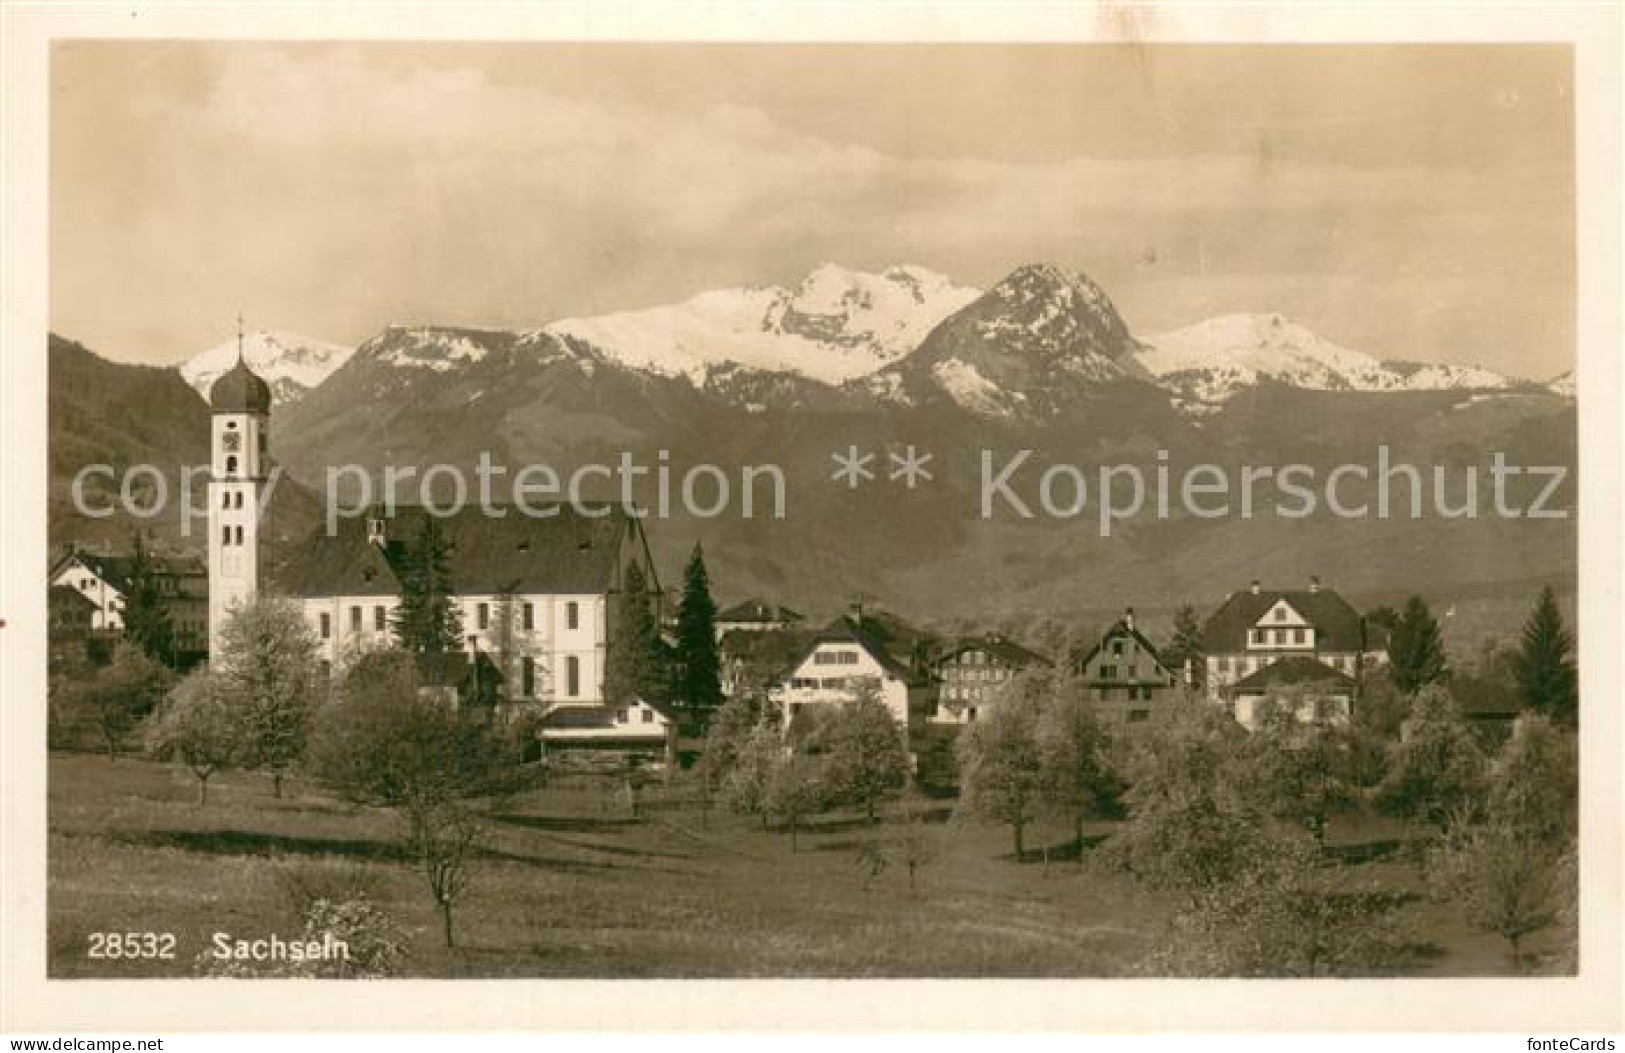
[(239, 432)]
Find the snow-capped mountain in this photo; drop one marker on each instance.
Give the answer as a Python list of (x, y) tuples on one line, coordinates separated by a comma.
[(290, 363), (1207, 363), (1562, 384), (1038, 342), (836, 325)]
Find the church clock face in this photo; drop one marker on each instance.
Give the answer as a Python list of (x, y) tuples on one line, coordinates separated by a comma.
[(231, 440)]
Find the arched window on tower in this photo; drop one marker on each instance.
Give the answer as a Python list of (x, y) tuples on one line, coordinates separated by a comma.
[(239, 535), (225, 499), (225, 535), (231, 464)]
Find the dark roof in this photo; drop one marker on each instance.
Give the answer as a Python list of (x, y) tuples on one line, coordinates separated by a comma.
[(866, 633), (1000, 647), (775, 648), (65, 594), (566, 552), (597, 716), (1122, 628), (115, 570), (1337, 625), (240, 390), (1294, 671), (755, 610)]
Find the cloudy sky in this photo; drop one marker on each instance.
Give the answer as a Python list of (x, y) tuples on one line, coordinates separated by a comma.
[(1408, 201)]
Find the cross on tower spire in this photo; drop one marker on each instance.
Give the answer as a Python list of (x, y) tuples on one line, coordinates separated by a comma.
[(239, 337)]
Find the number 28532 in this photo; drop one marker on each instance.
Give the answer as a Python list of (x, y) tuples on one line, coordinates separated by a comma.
[(117, 945)]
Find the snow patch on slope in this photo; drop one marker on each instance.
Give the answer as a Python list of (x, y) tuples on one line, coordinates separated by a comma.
[(836, 325), (1214, 359), (965, 384)]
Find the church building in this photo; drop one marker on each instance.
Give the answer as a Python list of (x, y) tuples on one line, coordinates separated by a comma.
[(534, 590)]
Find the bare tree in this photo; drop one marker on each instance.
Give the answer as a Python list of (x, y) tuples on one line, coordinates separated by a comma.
[(917, 847)]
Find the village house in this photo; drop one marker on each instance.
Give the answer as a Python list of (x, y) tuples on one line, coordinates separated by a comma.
[(636, 727), (754, 615), (105, 582), (972, 673), (1257, 627), (71, 615), (1319, 694), (1125, 677), (753, 659), (852, 654)]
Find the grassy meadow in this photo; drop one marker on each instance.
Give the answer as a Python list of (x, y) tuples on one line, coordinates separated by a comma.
[(569, 886)]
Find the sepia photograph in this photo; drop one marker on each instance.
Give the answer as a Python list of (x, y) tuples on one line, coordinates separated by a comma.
[(658, 510)]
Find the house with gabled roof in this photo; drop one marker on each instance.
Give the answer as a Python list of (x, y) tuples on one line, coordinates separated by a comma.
[(533, 586), (1257, 627), (850, 655), (105, 581), (972, 673), (753, 659), (1124, 675), (1319, 694), (755, 615)]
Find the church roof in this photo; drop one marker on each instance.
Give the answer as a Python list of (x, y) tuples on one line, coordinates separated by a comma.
[(564, 553), (240, 390)]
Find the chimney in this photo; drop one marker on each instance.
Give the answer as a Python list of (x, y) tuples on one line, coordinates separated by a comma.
[(1314, 583), (1257, 588), (1128, 618), (855, 610)]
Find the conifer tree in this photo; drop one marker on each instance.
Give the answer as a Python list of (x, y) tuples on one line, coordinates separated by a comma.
[(1546, 676), (146, 619), (428, 620), (1186, 645), (634, 666), (698, 667), (1416, 650)]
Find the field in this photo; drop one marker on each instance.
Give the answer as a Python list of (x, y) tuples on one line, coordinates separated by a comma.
[(570, 886)]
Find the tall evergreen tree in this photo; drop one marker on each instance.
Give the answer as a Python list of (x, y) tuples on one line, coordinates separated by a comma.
[(146, 618), (428, 620), (698, 667), (634, 661), (1186, 645), (1546, 676), (1416, 650)]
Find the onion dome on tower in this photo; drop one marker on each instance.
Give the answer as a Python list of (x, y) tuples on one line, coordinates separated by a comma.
[(240, 389)]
